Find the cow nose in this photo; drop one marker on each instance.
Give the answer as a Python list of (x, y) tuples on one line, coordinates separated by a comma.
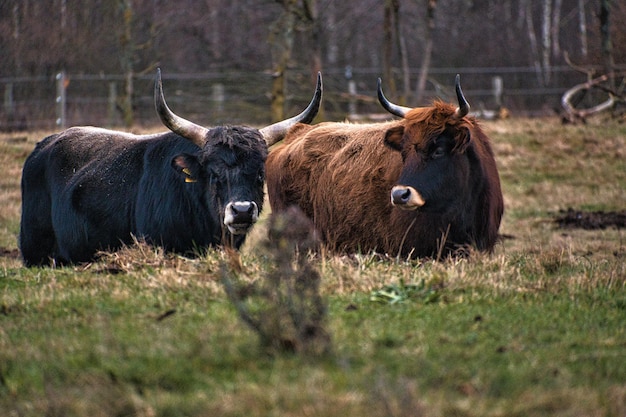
[(242, 208), (406, 198), (239, 216)]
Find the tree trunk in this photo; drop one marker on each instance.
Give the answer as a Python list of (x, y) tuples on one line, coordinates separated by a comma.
[(545, 41), (127, 48), (607, 45), (509, 24), (582, 28), (388, 46), (214, 32), (428, 49), (17, 30), (406, 74), (330, 29), (532, 39), (316, 44), (404, 58), (281, 41), (556, 25)]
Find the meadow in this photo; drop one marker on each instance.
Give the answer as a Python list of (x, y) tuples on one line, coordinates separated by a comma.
[(536, 328)]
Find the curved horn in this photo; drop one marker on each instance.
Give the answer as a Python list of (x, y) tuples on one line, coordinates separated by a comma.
[(394, 109), (185, 128), (464, 106), (275, 132)]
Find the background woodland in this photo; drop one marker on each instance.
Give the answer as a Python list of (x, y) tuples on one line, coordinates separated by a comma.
[(400, 40)]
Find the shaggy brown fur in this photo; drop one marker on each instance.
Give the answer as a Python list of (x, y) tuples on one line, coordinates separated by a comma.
[(341, 175)]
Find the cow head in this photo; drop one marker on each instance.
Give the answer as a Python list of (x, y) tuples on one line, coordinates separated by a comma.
[(433, 143), (231, 160), (230, 170)]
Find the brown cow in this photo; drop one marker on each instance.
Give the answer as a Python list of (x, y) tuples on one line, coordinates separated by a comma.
[(425, 185)]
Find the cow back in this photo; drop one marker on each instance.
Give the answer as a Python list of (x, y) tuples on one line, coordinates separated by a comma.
[(328, 171)]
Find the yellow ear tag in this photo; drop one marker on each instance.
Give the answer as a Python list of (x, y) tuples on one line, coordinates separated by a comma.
[(188, 173)]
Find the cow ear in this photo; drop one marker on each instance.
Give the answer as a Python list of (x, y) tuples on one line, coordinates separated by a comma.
[(393, 137), (187, 166)]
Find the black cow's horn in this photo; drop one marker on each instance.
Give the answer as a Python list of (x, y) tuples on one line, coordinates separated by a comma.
[(464, 106), (394, 109), (275, 132), (185, 128)]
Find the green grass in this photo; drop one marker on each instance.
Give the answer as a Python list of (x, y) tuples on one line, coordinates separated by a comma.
[(537, 328)]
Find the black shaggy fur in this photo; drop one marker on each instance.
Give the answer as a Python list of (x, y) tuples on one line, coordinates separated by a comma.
[(88, 189)]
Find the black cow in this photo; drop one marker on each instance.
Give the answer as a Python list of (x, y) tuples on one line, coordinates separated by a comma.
[(88, 189)]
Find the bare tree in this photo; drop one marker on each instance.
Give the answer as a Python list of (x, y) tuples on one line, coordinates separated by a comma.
[(330, 28), (281, 44), (281, 39), (607, 45), (545, 40), (127, 57), (394, 41), (582, 28), (312, 15), (16, 35), (428, 50), (569, 98), (390, 6), (605, 82), (532, 39), (404, 58), (556, 24), (109, 37)]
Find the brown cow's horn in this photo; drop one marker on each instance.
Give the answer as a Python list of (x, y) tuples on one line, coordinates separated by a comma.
[(394, 109), (277, 131), (464, 106), (193, 132)]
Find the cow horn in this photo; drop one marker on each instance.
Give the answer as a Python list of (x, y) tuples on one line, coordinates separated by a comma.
[(394, 109), (275, 132), (193, 132), (464, 106)]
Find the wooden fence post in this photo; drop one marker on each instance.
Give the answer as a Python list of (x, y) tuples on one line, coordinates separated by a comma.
[(9, 103), (112, 104), (498, 89), (61, 99), (218, 96), (351, 91)]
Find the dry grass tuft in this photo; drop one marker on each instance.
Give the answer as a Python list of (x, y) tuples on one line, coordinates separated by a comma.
[(94, 396), (396, 398), (132, 258), (152, 267)]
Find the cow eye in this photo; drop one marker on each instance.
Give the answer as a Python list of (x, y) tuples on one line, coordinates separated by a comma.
[(261, 177), (438, 152)]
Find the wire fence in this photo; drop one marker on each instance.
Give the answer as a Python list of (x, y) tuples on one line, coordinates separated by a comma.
[(239, 97)]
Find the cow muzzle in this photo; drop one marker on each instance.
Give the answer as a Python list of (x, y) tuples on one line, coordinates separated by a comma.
[(239, 216), (406, 198)]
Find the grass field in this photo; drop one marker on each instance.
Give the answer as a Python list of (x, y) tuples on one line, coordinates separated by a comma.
[(537, 328)]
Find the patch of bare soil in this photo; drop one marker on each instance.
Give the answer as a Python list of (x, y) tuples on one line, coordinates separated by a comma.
[(590, 220)]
